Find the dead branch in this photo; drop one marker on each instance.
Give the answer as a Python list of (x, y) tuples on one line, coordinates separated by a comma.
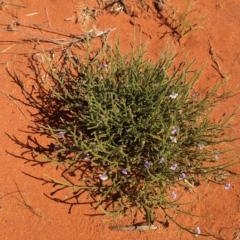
[(2, 3)]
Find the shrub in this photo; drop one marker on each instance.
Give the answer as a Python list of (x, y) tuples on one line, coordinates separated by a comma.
[(128, 131)]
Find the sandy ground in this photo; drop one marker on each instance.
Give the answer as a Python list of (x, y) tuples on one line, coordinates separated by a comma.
[(26, 213)]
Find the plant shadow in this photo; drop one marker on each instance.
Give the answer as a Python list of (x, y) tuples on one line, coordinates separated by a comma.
[(46, 110)]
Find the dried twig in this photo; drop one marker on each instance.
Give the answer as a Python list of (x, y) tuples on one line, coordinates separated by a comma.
[(216, 66), (22, 201), (31, 14), (49, 25), (11, 4), (62, 43), (3, 51), (10, 98), (133, 227)]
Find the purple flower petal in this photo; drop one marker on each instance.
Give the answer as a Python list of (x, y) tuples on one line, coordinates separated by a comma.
[(173, 95), (173, 195), (174, 167), (102, 66), (161, 160), (182, 176), (86, 156), (55, 148), (103, 177), (61, 134), (124, 171), (175, 130), (227, 186), (195, 95), (217, 156), (198, 231), (147, 164), (200, 146)]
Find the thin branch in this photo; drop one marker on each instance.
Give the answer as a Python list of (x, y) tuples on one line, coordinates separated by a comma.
[(10, 98), (11, 4)]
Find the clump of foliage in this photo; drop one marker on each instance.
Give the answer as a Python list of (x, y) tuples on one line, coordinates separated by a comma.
[(184, 21), (131, 131)]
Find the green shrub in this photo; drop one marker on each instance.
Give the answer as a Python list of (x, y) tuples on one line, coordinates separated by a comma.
[(129, 131)]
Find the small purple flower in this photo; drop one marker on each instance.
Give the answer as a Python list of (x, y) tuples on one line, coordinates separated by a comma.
[(103, 177), (124, 171), (147, 164), (182, 176), (227, 186), (173, 195), (200, 145), (162, 160), (217, 156), (61, 134), (198, 231), (86, 156), (195, 95), (55, 148), (102, 66), (175, 130), (173, 95), (174, 167)]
